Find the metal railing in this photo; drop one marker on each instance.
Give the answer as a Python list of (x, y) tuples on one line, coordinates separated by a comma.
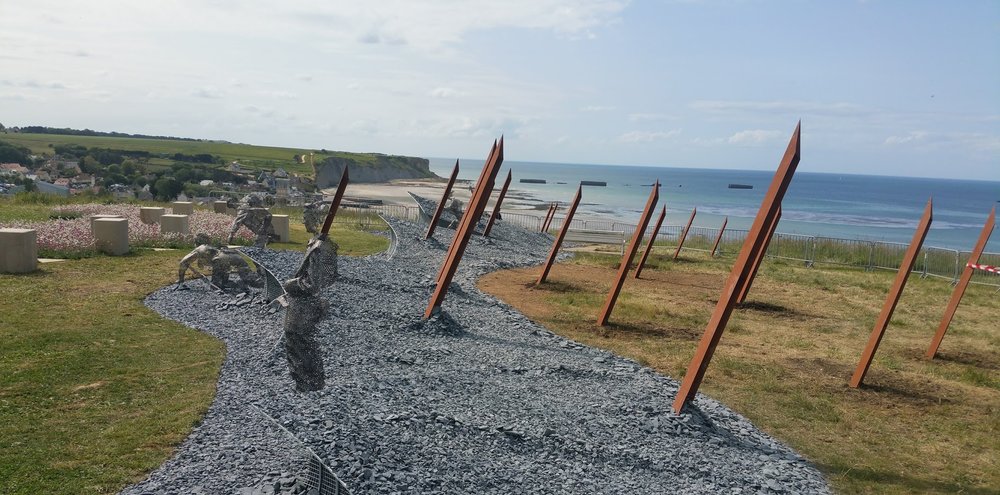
[(932, 261)]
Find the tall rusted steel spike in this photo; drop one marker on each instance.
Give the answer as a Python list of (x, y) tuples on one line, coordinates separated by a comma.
[(550, 217), (718, 238), (541, 228), (963, 282), (484, 186), (470, 207), (684, 234), (754, 242), (496, 209), (444, 199), (649, 244), (633, 246), (562, 235), (335, 205), (760, 257), (905, 267)]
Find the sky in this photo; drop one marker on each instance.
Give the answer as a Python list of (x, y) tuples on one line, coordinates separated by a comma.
[(907, 87)]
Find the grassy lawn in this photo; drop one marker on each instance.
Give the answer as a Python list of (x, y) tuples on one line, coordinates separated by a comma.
[(254, 157), (96, 390), (917, 426)]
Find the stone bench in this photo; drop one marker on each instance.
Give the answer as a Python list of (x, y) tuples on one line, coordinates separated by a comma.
[(111, 235), (18, 250), (177, 224), (221, 207)]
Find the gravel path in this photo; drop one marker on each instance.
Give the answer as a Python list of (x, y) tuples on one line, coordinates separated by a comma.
[(478, 399)]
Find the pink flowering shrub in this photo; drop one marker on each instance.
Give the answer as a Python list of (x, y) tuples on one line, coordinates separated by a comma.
[(72, 237)]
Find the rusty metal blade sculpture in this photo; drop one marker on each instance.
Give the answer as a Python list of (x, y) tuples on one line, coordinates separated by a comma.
[(484, 186), (335, 205), (469, 209), (548, 211), (444, 199), (684, 234), (760, 257), (649, 244), (496, 209), (893, 298), (551, 215), (963, 282), (562, 235), (718, 238), (633, 246), (754, 242)]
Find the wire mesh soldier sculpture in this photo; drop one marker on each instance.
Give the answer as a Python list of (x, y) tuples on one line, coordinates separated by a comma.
[(305, 310), (222, 261), (305, 306), (313, 214), (252, 215)]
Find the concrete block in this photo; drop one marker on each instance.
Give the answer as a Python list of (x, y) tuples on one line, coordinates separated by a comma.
[(150, 214), (178, 224), (220, 207), (96, 217), (280, 224), (18, 250), (182, 207), (111, 235)]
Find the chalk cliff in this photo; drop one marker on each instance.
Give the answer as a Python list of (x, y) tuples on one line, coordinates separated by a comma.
[(371, 167)]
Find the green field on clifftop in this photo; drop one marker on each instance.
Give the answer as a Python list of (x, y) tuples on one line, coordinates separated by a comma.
[(250, 156)]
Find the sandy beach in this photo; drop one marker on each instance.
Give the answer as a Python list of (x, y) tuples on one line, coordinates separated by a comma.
[(397, 192)]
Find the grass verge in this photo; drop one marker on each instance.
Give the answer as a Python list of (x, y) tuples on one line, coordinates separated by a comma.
[(96, 390), (917, 426)]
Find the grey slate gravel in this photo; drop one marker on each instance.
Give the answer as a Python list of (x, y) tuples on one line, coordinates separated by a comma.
[(478, 399)]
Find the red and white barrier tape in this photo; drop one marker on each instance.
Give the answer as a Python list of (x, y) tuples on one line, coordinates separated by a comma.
[(987, 268)]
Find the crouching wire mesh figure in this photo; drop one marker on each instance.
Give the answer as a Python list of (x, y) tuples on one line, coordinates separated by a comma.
[(222, 261), (313, 215), (252, 215), (305, 310)]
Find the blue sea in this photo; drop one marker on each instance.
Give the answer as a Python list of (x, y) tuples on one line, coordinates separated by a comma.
[(866, 207)]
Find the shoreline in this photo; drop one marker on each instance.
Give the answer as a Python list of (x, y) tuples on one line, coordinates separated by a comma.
[(395, 193)]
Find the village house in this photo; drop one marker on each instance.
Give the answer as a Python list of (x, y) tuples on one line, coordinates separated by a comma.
[(82, 181), (14, 168)]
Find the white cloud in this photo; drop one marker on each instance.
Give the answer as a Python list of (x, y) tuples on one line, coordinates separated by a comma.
[(913, 136), (465, 127), (754, 137), (925, 140), (208, 92), (282, 95), (443, 93), (597, 108), (650, 117), (795, 108), (647, 136)]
